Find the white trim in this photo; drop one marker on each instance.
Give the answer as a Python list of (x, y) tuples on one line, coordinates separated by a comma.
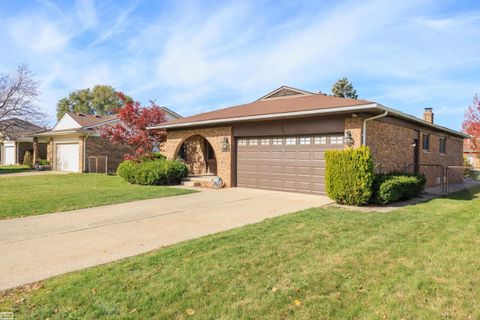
[(265, 116), (311, 112), (66, 132)]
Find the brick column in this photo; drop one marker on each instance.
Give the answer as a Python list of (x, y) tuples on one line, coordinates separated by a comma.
[(50, 151), (35, 150), (354, 125)]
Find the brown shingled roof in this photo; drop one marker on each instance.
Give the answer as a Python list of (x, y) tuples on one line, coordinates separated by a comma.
[(17, 128), (86, 120), (265, 107)]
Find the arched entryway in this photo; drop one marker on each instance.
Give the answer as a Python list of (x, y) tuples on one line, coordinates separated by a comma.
[(198, 155)]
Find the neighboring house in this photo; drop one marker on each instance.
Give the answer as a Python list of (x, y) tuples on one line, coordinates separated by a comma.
[(471, 154), (15, 141), (278, 142), (75, 145)]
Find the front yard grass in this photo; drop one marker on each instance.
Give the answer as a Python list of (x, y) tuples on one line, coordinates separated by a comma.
[(33, 195), (14, 169), (419, 262)]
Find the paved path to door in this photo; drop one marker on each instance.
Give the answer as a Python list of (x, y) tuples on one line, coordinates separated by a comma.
[(35, 248)]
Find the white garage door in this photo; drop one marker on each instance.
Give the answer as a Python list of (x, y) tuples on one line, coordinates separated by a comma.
[(9, 155), (67, 157)]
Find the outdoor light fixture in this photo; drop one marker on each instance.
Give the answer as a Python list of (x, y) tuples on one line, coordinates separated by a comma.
[(225, 144), (348, 140), (414, 143)]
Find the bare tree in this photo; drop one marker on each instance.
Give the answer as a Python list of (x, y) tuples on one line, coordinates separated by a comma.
[(18, 92)]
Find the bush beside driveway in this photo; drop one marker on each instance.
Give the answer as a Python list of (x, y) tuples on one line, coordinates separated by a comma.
[(34, 195), (419, 262)]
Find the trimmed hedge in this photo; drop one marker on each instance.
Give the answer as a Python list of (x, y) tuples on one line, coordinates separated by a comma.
[(349, 175), (393, 187), (152, 172)]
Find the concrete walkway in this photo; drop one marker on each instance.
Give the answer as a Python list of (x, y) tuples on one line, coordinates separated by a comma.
[(35, 248), (31, 173)]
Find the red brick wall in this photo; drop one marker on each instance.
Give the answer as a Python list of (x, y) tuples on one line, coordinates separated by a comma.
[(391, 145), (101, 147)]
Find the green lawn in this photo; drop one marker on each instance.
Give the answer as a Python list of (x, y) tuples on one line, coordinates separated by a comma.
[(33, 195), (420, 262), (14, 169)]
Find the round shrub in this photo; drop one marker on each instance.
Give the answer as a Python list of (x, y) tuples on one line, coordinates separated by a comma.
[(127, 170), (153, 172), (393, 187)]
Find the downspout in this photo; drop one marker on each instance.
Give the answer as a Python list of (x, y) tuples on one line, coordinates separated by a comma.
[(85, 152), (364, 129)]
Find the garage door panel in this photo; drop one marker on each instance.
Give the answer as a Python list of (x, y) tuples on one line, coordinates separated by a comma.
[(9, 157), (264, 155), (318, 171), (67, 157), (318, 155), (299, 168), (303, 170), (277, 155), (305, 155), (290, 155)]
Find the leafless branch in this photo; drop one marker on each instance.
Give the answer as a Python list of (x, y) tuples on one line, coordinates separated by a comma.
[(18, 93)]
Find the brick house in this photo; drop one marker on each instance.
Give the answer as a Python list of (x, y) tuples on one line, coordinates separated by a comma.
[(75, 145), (278, 141), (15, 141), (471, 154)]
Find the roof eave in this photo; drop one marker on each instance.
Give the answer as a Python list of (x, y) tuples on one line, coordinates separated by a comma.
[(422, 122), (270, 116), (60, 132)]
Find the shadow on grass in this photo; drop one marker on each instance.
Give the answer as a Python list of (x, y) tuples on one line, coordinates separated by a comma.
[(467, 194), (13, 169)]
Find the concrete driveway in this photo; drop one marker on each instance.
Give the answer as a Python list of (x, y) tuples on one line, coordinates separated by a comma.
[(36, 248)]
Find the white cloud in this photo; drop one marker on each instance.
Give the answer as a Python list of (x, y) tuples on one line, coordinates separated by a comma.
[(38, 34), (86, 13)]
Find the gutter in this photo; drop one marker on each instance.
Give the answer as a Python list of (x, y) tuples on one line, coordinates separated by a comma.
[(364, 129), (265, 116), (272, 116)]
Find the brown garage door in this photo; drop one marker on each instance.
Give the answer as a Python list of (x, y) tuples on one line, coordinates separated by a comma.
[(284, 163)]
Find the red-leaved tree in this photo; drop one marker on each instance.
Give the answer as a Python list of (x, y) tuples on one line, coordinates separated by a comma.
[(471, 123), (131, 130)]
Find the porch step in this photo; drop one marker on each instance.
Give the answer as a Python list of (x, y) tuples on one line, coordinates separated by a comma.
[(191, 183), (200, 178), (204, 180)]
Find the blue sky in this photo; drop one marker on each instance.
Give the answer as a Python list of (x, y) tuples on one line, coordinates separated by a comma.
[(195, 56)]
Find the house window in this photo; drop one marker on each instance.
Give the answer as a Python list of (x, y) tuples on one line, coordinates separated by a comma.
[(320, 140), (426, 142), (336, 139), (443, 145), (277, 141), (252, 142), (304, 140), (265, 142), (290, 141), (242, 142)]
